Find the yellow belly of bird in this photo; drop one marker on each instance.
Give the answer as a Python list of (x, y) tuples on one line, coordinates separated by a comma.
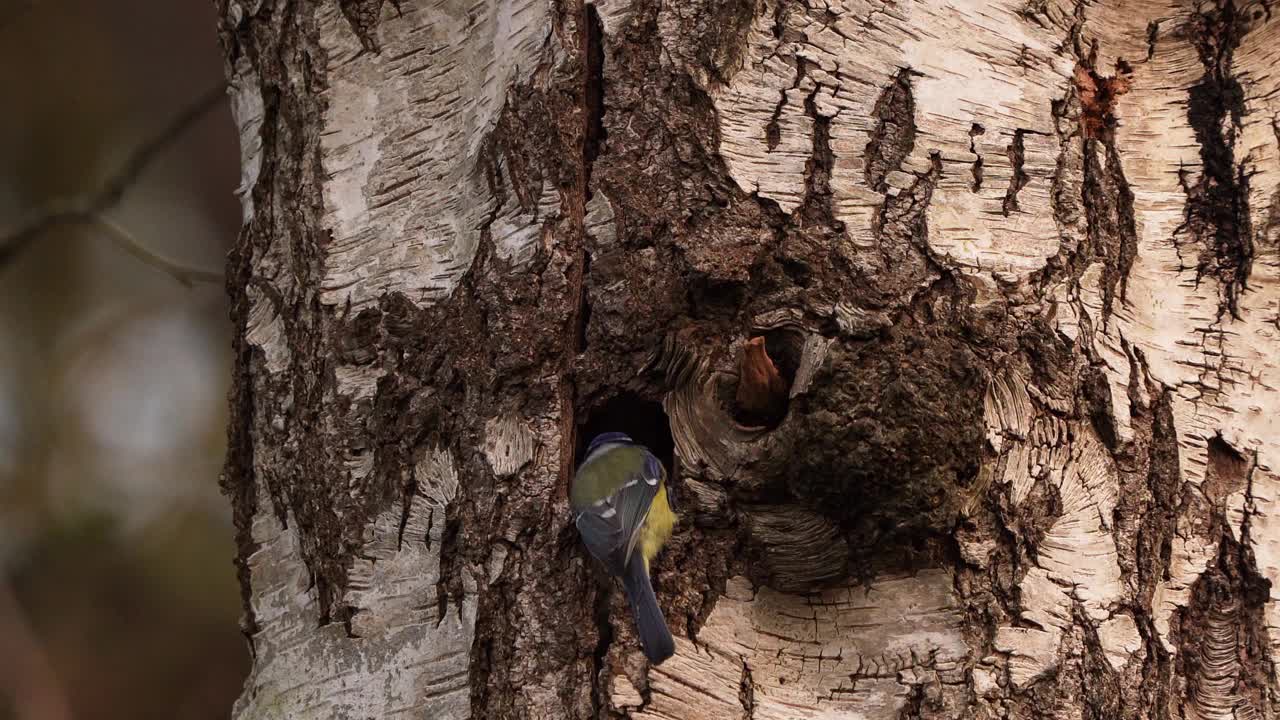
[(657, 526)]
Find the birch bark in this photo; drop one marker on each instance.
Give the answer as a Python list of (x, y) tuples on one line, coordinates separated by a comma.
[(1016, 263)]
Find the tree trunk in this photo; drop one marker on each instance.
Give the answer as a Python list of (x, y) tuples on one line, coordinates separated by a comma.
[(957, 325)]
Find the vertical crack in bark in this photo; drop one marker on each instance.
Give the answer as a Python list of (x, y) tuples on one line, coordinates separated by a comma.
[(1159, 522), (450, 567), (894, 136), (591, 35), (1156, 501), (747, 692), (1109, 231), (1095, 391), (907, 262), (1145, 522), (974, 132), (1217, 211), (902, 221), (1018, 177), (817, 209), (405, 510), (593, 92), (772, 130), (593, 139), (1111, 226), (1065, 195)]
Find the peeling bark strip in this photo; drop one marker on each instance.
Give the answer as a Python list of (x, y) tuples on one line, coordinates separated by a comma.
[(954, 324)]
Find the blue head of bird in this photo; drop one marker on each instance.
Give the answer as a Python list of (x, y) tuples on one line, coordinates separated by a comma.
[(609, 438)]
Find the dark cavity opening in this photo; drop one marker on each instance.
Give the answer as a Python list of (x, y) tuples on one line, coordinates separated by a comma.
[(593, 93), (762, 394), (785, 347), (644, 420)]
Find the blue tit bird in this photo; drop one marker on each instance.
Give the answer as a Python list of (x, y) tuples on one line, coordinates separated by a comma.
[(620, 506)]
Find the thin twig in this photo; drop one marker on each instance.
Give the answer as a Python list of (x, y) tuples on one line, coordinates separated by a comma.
[(145, 153), (91, 208), (183, 274)]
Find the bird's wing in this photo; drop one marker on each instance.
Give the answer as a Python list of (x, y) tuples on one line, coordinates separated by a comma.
[(610, 527), (636, 497), (601, 532)]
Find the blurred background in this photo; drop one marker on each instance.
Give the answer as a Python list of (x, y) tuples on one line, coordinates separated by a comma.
[(118, 598)]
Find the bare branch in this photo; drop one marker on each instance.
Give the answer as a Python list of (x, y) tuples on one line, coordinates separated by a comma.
[(137, 163), (91, 208), (183, 274)]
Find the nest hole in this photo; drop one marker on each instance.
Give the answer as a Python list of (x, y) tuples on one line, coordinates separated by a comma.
[(644, 420), (767, 367), (785, 347)]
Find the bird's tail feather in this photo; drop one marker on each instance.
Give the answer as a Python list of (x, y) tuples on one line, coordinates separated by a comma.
[(655, 638)]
